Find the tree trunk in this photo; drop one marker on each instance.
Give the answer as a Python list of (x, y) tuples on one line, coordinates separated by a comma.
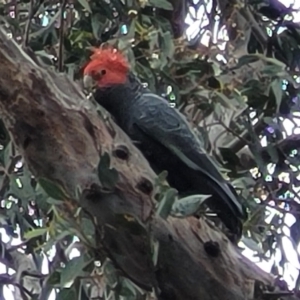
[(61, 137)]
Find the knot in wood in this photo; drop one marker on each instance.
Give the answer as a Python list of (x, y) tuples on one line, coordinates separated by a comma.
[(145, 186), (121, 152), (93, 193), (212, 248)]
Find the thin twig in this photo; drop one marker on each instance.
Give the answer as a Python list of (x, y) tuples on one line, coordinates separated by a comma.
[(242, 139), (23, 291), (27, 28), (33, 9), (256, 29), (61, 37)]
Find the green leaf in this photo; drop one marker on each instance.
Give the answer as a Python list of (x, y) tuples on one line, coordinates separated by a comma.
[(164, 4), (165, 205), (87, 227), (188, 206), (35, 233), (54, 279), (41, 198), (21, 187), (276, 89), (54, 239), (45, 57), (244, 182), (272, 61), (251, 244), (250, 58), (73, 269), (128, 290), (99, 22), (272, 70), (272, 151), (110, 273), (6, 155), (52, 189), (66, 294), (161, 178), (53, 201), (269, 121), (153, 40), (4, 135), (246, 59), (218, 112), (167, 45), (224, 100), (107, 176), (146, 73), (85, 4), (155, 251)]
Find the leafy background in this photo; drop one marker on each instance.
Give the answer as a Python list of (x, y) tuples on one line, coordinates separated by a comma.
[(232, 68)]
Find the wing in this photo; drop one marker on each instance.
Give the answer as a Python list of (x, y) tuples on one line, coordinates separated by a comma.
[(169, 127)]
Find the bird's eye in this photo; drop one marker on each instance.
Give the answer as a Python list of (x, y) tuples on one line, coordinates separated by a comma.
[(97, 75)]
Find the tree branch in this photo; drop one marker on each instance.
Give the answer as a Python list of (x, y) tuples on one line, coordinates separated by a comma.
[(61, 36)]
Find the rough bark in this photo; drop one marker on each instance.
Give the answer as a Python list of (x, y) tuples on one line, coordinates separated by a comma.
[(61, 138)]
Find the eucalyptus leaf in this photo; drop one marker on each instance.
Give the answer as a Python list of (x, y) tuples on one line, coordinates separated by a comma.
[(188, 206), (88, 228), (250, 58), (99, 22), (250, 243), (155, 251), (55, 238), (224, 100), (35, 233), (165, 205), (41, 198), (6, 155), (20, 186), (273, 153), (73, 269), (66, 294), (246, 59), (276, 89), (153, 40), (244, 182), (161, 178), (167, 45), (54, 279), (85, 4), (272, 70), (53, 201), (52, 189), (110, 272), (128, 290), (164, 4)]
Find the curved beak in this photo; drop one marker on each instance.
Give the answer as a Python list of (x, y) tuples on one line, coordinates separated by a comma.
[(88, 82)]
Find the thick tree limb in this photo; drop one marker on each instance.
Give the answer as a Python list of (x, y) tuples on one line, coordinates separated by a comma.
[(62, 137)]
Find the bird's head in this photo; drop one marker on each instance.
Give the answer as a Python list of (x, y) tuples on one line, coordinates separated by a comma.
[(107, 67)]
